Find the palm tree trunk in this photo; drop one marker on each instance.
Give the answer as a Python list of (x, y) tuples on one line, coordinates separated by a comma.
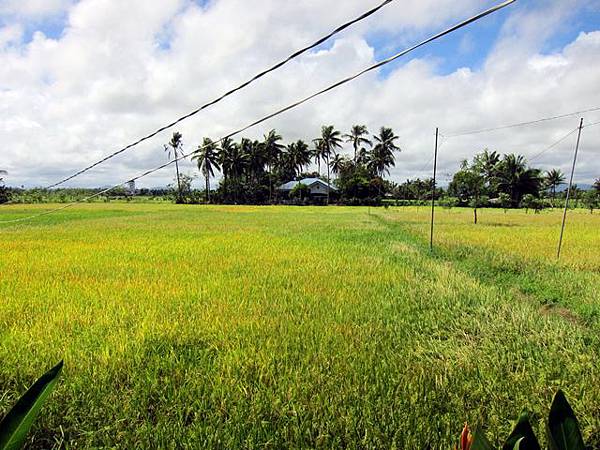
[(178, 182), (327, 179), (270, 185), (207, 188), (475, 215)]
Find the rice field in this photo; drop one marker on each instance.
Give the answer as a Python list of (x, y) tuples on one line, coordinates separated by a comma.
[(285, 327)]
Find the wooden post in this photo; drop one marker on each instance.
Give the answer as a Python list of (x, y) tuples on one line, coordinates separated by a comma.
[(564, 219), (433, 188)]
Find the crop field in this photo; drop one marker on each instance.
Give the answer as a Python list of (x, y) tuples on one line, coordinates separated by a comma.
[(312, 327)]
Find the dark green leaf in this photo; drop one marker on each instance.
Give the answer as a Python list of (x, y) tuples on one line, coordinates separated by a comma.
[(15, 426), (480, 442), (563, 428), (523, 433)]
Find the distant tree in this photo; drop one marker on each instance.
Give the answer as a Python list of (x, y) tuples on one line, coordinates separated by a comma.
[(234, 162), (596, 185), (175, 149), (338, 163), (486, 163), (553, 179), (298, 156), (468, 184), (591, 200), (3, 191), (530, 201), (505, 201), (272, 148), (381, 157), (207, 158), (357, 138), (516, 179), (329, 141)]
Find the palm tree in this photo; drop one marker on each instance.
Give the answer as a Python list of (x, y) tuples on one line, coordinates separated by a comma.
[(381, 157), (232, 161), (330, 140), (272, 148), (207, 158), (338, 162), (516, 179), (176, 146), (553, 179), (256, 158), (298, 155), (356, 136), (224, 150), (487, 164), (318, 153)]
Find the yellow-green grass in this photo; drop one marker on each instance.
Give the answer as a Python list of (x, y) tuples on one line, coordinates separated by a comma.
[(272, 327)]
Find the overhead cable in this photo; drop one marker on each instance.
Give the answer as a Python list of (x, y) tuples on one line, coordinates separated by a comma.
[(292, 106)]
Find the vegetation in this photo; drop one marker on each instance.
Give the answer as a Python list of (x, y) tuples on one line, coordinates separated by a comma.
[(3, 190), (562, 431), (275, 327), (15, 426)]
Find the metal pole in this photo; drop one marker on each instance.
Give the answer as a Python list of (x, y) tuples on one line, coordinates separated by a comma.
[(562, 229), (433, 189)]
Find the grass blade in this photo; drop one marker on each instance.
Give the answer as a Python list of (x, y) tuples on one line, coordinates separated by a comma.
[(15, 426)]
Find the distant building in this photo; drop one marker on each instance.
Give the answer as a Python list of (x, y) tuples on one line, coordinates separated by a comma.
[(317, 186), (131, 187)]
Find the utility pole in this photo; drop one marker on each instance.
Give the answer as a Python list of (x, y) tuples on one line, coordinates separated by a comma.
[(564, 219), (437, 131)]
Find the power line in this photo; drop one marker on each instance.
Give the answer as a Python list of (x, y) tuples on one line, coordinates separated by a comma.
[(521, 124), (292, 106), (228, 93), (551, 146)]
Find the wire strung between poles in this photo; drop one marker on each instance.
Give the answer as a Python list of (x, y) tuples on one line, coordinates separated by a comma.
[(522, 124), (287, 108), (228, 93)]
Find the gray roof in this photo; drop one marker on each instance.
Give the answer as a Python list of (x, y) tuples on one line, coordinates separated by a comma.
[(307, 181)]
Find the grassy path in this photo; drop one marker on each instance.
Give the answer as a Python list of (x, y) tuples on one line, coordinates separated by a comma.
[(230, 327)]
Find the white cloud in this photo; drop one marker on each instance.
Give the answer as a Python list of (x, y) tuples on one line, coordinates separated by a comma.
[(112, 77), (36, 9)]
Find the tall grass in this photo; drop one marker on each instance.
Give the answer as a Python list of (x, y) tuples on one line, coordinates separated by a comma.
[(271, 327)]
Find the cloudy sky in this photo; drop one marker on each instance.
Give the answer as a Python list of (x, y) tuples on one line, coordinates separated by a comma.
[(80, 79)]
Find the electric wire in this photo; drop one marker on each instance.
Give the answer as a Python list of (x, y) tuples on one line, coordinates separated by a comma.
[(228, 93), (289, 107), (521, 124)]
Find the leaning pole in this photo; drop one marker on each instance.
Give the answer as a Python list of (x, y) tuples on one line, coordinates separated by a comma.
[(564, 219)]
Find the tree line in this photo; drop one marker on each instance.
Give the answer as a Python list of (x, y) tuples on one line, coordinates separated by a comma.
[(251, 170)]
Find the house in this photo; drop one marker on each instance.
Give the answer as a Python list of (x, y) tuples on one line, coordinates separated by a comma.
[(317, 186)]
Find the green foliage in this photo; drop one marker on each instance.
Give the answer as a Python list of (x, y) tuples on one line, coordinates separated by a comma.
[(591, 200), (562, 431), (522, 436), (17, 423), (563, 428), (300, 191), (530, 201), (449, 202)]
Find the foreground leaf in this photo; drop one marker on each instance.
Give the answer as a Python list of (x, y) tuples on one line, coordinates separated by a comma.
[(522, 435), (480, 442), (15, 426), (563, 428)]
